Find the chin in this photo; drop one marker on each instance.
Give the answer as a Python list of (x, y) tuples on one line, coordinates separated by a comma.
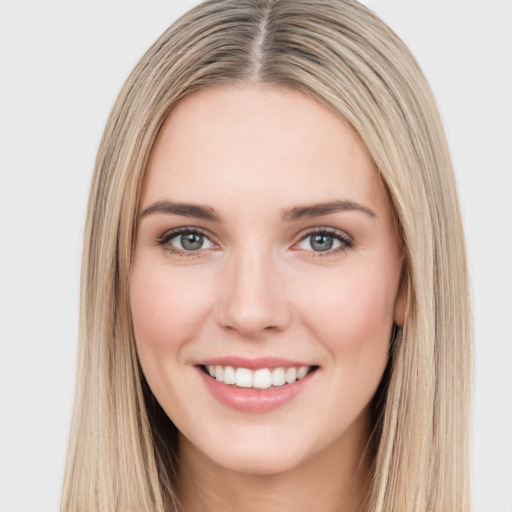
[(260, 463), (262, 454)]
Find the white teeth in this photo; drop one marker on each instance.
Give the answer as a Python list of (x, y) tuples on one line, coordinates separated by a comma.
[(278, 377), (229, 375), (291, 375), (263, 378), (243, 378), (301, 372)]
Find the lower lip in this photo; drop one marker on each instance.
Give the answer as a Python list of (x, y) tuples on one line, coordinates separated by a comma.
[(255, 400)]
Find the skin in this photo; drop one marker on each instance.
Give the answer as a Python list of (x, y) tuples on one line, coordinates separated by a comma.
[(257, 287)]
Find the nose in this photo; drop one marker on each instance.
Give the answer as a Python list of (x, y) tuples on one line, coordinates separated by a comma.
[(252, 294)]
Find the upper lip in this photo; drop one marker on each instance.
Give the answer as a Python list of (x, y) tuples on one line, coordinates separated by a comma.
[(253, 363)]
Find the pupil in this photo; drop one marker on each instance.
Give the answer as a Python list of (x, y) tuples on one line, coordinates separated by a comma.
[(192, 241), (322, 242)]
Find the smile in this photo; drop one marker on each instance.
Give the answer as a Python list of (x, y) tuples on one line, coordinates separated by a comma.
[(261, 378), (267, 385)]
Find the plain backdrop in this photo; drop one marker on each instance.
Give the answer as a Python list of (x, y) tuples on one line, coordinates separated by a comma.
[(61, 67)]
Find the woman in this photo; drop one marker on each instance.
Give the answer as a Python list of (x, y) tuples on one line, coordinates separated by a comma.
[(275, 308)]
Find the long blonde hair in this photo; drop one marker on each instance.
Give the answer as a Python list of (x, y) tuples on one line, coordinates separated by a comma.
[(122, 446)]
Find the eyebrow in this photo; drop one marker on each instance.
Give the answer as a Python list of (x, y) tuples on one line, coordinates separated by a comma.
[(288, 215), (184, 209), (319, 209)]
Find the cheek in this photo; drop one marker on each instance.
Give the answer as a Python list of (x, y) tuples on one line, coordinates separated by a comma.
[(352, 317), (167, 307), (367, 310)]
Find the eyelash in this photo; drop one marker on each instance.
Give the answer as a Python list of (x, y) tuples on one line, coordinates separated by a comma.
[(346, 241), (164, 240)]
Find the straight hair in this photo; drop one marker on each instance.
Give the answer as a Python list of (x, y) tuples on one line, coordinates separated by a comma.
[(122, 448)]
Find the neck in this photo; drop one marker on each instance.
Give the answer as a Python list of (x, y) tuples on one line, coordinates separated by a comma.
[(333, 480)]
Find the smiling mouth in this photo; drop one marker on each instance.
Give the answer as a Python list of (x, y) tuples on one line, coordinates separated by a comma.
[(261, 378)]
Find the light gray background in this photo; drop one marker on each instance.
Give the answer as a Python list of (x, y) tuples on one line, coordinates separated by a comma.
[(61, 67)]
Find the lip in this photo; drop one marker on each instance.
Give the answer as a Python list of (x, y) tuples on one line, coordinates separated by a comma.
[(253, 363), (254, 400)]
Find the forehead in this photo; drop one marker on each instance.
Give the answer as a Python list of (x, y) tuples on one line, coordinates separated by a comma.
[(259, 143)]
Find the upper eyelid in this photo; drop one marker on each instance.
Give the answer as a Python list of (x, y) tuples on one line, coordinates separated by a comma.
[(327, 230), (171, 233)]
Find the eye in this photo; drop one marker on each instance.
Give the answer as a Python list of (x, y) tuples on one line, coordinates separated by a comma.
[(185, 240), (325, 241)]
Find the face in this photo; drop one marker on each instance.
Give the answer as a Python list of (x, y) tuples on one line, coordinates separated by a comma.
[(265, 277)]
